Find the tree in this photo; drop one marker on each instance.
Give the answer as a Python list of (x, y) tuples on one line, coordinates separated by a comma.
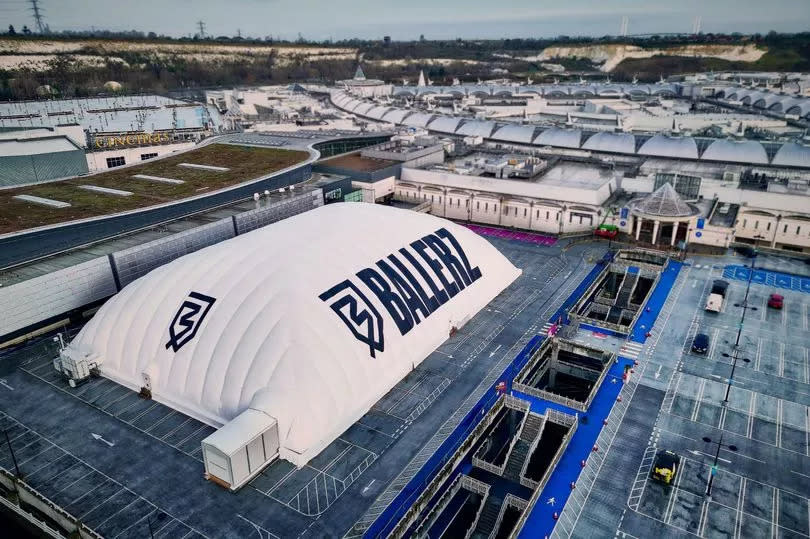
[(151, 35), (26, 30), (11, 30)]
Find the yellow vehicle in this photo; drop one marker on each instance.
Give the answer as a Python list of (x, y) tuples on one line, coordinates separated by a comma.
[(665, 466)]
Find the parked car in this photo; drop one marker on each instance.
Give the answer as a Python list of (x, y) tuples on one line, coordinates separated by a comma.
[(748, 252), (776, 301), (665, 467), (700, 345)]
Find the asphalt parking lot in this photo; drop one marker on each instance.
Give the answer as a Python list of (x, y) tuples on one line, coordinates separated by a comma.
[(762, 488), (144, 469)]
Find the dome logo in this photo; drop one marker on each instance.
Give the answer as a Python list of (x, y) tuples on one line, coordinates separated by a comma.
[(443, 269), (188, 319)]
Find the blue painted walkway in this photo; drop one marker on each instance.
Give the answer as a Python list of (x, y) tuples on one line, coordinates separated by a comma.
[(768, 278), (541, 522), (655, 302)]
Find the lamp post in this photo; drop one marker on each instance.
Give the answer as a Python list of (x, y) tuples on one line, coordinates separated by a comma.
[(731, 376), (713, 470), (13, 457)]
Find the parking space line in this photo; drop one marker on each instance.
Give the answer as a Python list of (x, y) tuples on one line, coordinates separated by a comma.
[(50, 463), (50, 446), (704, 513), (112, 388), (125, 395), (806, 316), (698, 398), (73, 482), (149, 515), (751, 412), (779, 409), (740, 504), (101, 502), (775, 514), (92, 469), (759, 354), (781, 360), (671, 501), (137, 499)]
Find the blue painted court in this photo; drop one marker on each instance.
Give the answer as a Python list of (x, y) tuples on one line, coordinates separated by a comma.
[(767, 277)]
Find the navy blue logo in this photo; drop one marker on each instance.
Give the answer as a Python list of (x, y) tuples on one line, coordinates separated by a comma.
[(409, 285), (188, 319), (359, 315)]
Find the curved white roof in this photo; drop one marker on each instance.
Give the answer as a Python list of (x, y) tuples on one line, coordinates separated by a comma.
[(664, 146), (792, 155), (418, 119), (515, 133), (261, 322), (395, 116), (377, 112), (744, 151), (353, 104), (611, 142), (802, 109), (476, 127), (445, 124), (363, 108), (564, 138)]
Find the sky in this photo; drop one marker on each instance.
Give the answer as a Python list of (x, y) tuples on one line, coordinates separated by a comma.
[(408, 19)]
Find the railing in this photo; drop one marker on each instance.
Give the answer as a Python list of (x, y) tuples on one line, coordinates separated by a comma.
[(510, 500), (28, 495), (525, 407), (516, 403), (563, 419), (478, 487), (550, 396), (531, 362), (512, 403), (435, 511), (474, 485), (576, 502), (424, 207), (478, 462), (423, 500)]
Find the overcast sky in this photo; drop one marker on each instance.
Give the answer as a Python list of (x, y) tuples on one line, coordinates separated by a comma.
[(407, 19)]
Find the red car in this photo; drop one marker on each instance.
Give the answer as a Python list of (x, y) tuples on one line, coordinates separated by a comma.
[(775, 301)]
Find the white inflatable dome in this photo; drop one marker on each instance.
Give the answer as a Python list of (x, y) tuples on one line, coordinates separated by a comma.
[(310, 320)]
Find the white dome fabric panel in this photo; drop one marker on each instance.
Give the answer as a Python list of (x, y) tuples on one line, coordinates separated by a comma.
[(310, 320)]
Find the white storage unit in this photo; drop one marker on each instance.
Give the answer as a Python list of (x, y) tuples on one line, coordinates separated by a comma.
[(238, 451)]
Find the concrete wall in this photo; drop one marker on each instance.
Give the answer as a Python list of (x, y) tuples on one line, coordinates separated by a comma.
[(514, 188), (98, 160), (43, 298)]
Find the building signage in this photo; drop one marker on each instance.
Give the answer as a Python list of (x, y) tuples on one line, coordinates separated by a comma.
[(111, 142), (391, 286), (188, 319)]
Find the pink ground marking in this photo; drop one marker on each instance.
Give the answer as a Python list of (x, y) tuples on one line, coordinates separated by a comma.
[(538, 239)]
